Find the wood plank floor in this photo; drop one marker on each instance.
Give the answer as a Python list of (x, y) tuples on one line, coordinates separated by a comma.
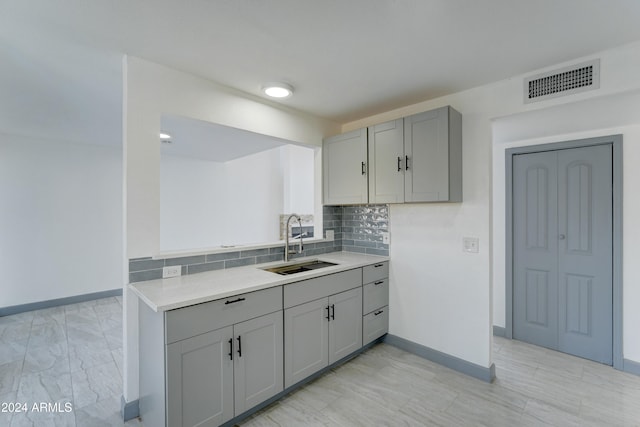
[(386, 386)]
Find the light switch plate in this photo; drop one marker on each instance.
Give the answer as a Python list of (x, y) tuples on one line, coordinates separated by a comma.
[(471, 244), (386, 238), (329, 235), (171, 271)]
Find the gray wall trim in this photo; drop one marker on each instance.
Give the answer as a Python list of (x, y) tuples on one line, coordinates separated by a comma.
[(15, 309), (631, 367), (129, 410), (451, 362), (499, 331), (616, 142)]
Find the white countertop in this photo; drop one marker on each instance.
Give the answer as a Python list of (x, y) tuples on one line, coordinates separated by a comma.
[(182, 291)]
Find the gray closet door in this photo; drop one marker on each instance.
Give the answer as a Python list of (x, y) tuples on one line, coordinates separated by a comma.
[(535, 246), (562, 242), (585, 212)]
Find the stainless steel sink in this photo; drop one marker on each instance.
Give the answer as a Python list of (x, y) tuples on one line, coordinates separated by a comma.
[(300, 267)]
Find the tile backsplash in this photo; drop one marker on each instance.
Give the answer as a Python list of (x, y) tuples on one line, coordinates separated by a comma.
[(356, 229)]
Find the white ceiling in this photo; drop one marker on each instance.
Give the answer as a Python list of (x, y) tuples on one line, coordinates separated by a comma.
[(60, 70), (210, 141)]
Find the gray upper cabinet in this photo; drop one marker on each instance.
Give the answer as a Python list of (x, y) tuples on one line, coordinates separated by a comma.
[(386, 162), (433, 156), (344, 160), (414, 159)]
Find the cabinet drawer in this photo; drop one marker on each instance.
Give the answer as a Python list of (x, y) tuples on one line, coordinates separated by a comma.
[(377, 271), (197, 319), (308, 290), (375, 325), (375, 295)]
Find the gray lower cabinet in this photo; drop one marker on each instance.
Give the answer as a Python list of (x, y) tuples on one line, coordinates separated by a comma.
[(200, 380), (321, 332), (306, 331), (203, 365), (345, 325), (218, 375), (375, 302), (258, 361), (322, 323)]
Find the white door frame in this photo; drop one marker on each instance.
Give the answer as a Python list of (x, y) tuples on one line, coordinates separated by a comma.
[(615, 141)]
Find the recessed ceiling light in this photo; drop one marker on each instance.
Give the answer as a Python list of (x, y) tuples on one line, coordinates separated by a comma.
[(277, 90)]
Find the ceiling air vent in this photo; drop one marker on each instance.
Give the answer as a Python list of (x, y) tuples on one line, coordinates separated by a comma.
[(561, 82)]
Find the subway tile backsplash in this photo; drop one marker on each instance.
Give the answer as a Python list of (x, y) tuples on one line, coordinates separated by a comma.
[(356, 229)]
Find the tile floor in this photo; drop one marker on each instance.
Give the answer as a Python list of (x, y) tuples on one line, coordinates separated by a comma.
[(73, 354), (68, 355)]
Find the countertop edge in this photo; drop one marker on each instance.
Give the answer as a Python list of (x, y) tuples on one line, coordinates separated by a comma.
[(277, 281)]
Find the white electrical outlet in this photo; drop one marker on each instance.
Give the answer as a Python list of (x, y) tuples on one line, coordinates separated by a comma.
[(385, 237), (470, 244), (171, 271), (329, 235)]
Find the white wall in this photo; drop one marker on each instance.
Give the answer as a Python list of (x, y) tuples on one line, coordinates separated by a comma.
[(151, 90), (299, 168), (443, 298), (254, 202), (60, 219), (195, 196), (191, 191)]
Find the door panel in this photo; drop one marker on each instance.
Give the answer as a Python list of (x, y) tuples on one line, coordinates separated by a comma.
[(427, 149), (200, 380), (585, 258), (306, 332), (345, 328), (345, 168), (258, 367), (386, 172), (562, 251), (535, 224)]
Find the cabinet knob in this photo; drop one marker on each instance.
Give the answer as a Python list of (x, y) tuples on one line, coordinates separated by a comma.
[(562, 237)]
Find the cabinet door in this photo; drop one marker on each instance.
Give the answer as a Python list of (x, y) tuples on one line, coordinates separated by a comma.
[(426, 144), (386, 163), (200, 380), (306, 330), (375, 325), (345, 168), (345, 327), (257, 360)]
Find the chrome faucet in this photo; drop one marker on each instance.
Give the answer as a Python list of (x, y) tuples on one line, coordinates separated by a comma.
[(286, 237)]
